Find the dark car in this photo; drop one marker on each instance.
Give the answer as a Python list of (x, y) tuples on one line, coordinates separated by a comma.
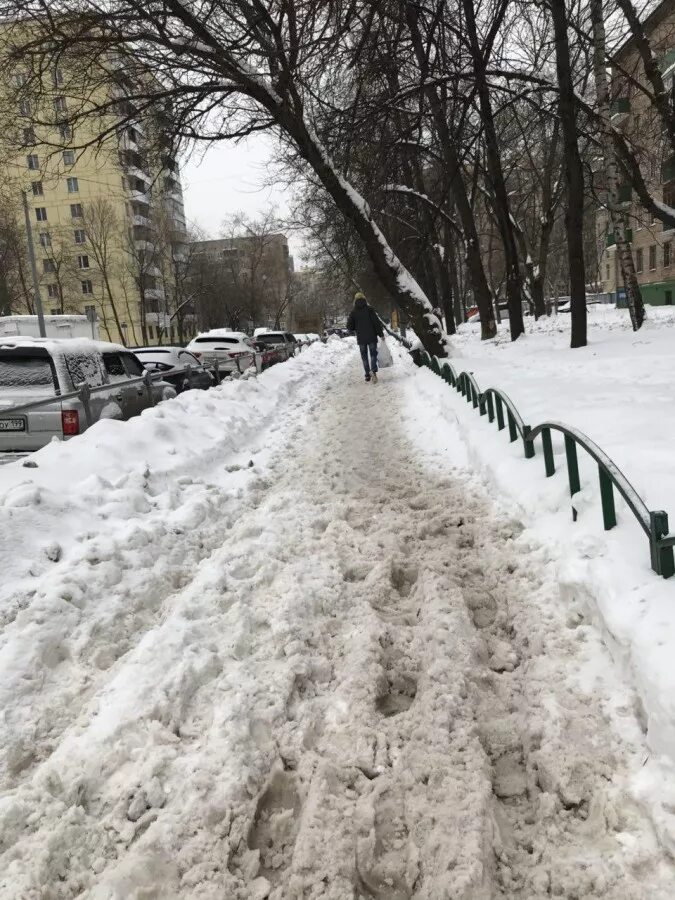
[(283, 341), (170, 361)]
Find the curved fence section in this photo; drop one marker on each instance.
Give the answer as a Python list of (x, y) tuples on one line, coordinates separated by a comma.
[(498, 406)]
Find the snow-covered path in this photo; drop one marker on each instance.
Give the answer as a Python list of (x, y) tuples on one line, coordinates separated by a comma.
[(367, 690)]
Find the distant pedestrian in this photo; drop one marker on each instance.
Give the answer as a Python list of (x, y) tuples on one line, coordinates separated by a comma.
[(365, 322)]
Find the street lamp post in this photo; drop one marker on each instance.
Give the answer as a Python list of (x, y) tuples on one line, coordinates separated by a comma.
[(33, 267)]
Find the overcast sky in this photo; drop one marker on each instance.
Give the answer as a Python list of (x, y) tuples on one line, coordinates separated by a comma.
[(231, 178)]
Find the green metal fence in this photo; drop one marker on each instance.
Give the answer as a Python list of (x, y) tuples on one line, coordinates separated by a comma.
[(498, 406)]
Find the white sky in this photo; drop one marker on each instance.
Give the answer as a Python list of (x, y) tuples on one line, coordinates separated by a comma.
[(230, 178)]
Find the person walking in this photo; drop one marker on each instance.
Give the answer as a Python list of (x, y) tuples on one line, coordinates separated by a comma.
[(365, 322)]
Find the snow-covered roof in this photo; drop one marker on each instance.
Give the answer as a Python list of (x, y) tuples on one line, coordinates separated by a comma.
[(59, 346)]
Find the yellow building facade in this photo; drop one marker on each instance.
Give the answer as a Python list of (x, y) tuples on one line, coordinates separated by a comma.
[(106, 215)]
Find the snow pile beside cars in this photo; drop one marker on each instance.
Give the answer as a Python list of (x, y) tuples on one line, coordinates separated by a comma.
[(619, 390), (96, 540)]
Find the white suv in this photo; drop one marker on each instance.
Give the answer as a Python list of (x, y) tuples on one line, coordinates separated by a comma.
[(232, 350)]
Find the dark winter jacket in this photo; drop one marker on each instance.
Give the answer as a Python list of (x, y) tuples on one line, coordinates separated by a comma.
[(365, 322)]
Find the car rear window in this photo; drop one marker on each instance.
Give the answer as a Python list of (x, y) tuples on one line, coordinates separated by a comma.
[(271, 338), (26, 371), (210, 340)]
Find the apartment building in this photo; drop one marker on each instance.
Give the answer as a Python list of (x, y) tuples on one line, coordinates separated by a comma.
[(244, 281), (106, 216), (653, 245)]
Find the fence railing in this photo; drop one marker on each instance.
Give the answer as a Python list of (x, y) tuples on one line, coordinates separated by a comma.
[(498, 406)]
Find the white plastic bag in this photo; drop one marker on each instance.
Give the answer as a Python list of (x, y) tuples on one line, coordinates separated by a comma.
[(384, 357)]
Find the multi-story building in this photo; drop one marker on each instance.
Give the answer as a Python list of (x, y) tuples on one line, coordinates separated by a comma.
[(106, 215), (653, 244), (243, 281)]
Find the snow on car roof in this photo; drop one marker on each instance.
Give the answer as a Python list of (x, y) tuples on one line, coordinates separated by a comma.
[(59, 346)]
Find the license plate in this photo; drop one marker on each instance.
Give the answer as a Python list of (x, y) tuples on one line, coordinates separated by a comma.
[(12, 425)]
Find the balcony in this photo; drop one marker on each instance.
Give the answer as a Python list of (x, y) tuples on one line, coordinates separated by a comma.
[(611, 241), (154, 293), (668, 170), (619, 110), (140, 220)]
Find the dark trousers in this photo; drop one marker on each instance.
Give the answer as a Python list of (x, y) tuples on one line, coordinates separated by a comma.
[(372, 349)]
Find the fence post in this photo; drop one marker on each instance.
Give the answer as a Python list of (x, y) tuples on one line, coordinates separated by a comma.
[(188, 372), (491, 408), (147, 381), (663, 562), (216, 371), (500, 412), (547, 444), (84, 394), (528, 443), (607, 497), (474, 394), (481, 404), (513, 434), (572, 470)]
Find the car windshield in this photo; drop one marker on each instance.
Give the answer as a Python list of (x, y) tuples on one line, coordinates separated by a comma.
[(271, 338), (25, 371)]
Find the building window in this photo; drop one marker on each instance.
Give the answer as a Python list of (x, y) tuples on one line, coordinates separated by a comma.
[(82, 262), (652, 257), (24, 108), (47, 266), (87, 287), (76, 210), (45, 239), (20, 79), (53, 293), (33, 161), (73, 186), (666, 254), (151, 332), (37, 189), (60, 104), (69, 157), (638, 260), (80, 236), (29, 135), (41, 213), (57, 77), (65, 131)]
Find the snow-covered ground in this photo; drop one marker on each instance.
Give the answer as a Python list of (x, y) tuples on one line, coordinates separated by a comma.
[(343, 671)]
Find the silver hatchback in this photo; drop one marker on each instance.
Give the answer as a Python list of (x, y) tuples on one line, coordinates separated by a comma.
[(41, 369)]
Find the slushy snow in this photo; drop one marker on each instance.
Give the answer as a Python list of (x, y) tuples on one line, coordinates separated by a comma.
[(278, 640)]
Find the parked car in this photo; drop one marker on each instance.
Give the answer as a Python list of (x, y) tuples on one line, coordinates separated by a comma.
[(170, 361), (267, 355), (281, 340), (33, 369), (233, 350)]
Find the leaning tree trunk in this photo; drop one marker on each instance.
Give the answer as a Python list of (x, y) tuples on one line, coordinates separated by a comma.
[(390, 270), (633, 293), (574, 176)]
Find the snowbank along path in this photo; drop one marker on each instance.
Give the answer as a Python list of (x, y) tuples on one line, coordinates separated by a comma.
[(366, 688)]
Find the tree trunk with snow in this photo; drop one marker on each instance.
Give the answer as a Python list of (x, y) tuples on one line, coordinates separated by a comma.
[(574, 176), (391, 271), (618, 223)]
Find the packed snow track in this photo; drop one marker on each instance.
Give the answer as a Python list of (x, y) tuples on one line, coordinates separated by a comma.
[(355, 679)]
